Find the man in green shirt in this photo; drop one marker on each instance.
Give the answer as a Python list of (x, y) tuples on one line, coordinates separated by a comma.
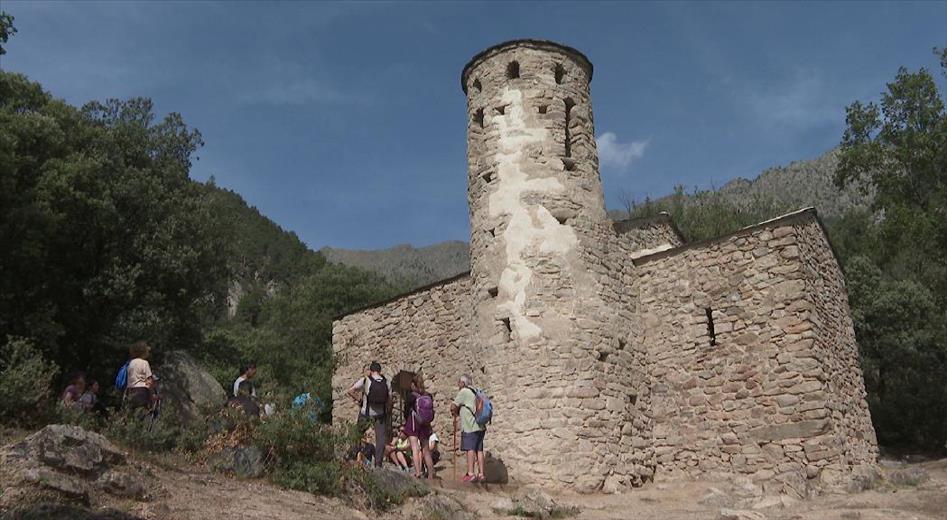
[(471, 436)]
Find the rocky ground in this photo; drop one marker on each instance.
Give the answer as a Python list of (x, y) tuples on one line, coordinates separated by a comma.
[(88, 477)]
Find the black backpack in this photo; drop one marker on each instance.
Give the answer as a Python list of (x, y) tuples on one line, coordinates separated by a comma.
[(377, 392)]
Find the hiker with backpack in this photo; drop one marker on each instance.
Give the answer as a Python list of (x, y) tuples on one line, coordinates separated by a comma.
[(373, 392), (136, 379), (474, 410), (417, 424)]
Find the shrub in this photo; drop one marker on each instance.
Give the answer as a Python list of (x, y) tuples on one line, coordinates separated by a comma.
[(25, 378), (131, 429)]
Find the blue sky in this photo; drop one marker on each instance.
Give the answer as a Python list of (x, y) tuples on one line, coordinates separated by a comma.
[(345, 122)]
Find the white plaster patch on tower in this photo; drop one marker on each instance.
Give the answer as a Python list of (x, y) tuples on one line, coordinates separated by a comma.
[(529, 225)]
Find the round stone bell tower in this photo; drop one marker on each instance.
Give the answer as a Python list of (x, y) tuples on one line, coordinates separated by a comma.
[(534, 194)]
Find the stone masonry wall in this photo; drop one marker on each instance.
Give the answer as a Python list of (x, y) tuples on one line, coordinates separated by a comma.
[(852, 442), (426, 331), (753, 395)]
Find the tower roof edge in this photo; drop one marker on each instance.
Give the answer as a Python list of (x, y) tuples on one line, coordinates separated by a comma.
[(577, 55)]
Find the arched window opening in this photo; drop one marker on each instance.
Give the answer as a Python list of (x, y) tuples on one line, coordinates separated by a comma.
[(560, 73), (478, 117), (513, 70)]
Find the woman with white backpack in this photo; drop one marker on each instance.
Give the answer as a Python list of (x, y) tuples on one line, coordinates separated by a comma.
[(417, 425)]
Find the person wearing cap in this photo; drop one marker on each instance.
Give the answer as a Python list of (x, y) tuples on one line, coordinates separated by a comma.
[(373, 393), (141, 381)]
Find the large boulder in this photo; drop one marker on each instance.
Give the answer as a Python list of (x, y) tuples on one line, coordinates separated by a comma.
[(188, 389), (64, 463)]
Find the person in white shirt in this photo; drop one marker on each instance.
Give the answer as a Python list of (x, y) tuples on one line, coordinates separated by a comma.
[(247, 372), (139, 391)]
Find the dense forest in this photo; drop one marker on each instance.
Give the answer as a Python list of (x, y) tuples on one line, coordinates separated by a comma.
[(105, 239)]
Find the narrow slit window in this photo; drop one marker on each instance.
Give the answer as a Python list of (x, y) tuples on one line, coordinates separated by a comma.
[(493, 232), (513, 70), (507, 328), (500, 110), (478, 117), (542, 109), (487, 176), (477, 87), (493, 291), (560, 73), (710, 326), (568, 142)]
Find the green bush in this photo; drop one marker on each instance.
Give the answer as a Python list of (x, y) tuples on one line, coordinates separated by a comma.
[(25, 378), (132, 429)]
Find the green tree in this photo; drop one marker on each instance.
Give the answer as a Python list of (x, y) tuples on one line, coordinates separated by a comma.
[(897, 255), (105, 239), (6, 30)]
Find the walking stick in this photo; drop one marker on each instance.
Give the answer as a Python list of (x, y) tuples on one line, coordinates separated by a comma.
[(453, 451)]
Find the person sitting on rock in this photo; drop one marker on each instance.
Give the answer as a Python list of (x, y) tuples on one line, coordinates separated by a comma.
[(244, 402), (89, 400), (432, 443), (140, 390), (247, 371), (397, 449), (73, 392)]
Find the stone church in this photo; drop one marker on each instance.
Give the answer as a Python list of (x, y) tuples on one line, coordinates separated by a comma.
[(614, 352)]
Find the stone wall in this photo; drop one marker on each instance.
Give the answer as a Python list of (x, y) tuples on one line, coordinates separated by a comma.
[(649, 235), (852, 442), (426, 331), (738, 371)]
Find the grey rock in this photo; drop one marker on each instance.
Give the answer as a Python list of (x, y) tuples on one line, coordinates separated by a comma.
[(740, 514), (189, 389), (69, 486), (242, 461), (124, 484)]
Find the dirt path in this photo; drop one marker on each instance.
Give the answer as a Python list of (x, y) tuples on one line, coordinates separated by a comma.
[(191, 493), (194, 494)]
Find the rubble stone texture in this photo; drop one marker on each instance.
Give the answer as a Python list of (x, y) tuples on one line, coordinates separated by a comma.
[(615, 354)]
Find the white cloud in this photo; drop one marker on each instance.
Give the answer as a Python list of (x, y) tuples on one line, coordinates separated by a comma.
[(616, 154)]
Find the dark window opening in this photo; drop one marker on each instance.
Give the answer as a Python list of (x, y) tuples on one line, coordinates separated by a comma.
[(507, 328), (483, 370), (568, 164), (560, 73), (513, 70), (487, 176), (621, 344), (568, 142), (493, 292), (500, 109), (634, 399), (562, 220), (542, 109), (710, 326), (476, 85), (603, 356), (478, 117)]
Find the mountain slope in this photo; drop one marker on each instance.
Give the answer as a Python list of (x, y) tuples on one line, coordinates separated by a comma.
[(405, 264)]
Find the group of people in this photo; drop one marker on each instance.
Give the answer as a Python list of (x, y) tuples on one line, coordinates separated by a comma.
[(374, 397), (135, 381)]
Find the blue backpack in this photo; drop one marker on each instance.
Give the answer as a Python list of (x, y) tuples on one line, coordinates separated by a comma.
[(483, 411), (121, 379)]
